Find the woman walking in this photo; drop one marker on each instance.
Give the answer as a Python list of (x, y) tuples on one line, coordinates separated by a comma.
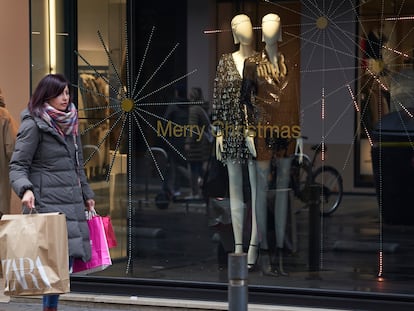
[(46, 168)]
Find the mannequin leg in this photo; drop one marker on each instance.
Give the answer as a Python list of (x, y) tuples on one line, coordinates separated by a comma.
[(236, 203), (262, 171), (254, 239), (282, 196), (281, 206)]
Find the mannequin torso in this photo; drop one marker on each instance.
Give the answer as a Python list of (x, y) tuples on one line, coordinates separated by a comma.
[(238, 59)]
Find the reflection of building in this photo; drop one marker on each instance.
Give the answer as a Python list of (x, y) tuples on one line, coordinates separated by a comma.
[(402, 88), (374, 97), (374, 86), (320, 74)]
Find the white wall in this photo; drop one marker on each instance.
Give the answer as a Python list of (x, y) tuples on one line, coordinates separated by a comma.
[(328, 66), (328, 58)]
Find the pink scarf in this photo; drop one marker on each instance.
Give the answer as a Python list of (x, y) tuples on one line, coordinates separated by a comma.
[(65, 123)]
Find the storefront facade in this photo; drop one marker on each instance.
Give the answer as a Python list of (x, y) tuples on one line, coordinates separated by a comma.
[(127, 61)]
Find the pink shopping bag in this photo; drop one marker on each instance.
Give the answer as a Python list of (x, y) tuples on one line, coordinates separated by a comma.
[(100, 256), (109, 231)]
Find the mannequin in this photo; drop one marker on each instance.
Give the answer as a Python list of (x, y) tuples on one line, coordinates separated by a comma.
[(274, 114), (232, 148)]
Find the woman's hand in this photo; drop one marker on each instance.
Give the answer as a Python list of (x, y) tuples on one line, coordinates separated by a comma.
[(90, 209), (90, 205), (28, 199)]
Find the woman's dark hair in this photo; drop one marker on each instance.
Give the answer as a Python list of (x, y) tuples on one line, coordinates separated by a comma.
[(51, 86)]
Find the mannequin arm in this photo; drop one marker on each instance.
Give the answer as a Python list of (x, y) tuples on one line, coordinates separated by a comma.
[(250, 143), (299, 149), (219, 146)]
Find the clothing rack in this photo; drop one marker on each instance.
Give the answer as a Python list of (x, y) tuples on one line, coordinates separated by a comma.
[(93, 84)]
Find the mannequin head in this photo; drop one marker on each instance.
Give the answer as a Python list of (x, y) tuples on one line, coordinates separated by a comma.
[(271, 29), (242, 28)]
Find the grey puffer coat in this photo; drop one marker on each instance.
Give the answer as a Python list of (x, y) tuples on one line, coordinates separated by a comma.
[(45, 162)]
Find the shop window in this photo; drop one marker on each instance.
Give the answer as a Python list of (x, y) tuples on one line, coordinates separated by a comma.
[(136, 61)]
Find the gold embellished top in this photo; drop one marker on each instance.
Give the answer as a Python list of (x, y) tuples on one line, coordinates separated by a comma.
[(270, 99)]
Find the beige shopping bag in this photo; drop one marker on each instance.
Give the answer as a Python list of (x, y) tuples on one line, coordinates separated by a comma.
[(34, 254)]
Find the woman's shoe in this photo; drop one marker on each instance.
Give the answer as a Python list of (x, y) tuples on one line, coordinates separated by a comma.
[(266, 264)]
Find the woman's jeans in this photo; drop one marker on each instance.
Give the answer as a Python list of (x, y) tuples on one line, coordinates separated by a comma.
[(51, 301)]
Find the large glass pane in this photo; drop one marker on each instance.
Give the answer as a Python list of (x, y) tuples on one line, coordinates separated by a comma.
[(333, 224), (101, 45)]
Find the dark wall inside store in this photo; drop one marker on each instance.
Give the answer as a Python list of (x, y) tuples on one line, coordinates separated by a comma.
[(158, 54), (158, 28)]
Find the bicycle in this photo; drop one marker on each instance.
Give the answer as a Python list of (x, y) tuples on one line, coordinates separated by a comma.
[(304, 173)]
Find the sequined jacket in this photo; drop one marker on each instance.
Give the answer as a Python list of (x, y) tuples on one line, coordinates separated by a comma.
[(226, 113), (270, 98)]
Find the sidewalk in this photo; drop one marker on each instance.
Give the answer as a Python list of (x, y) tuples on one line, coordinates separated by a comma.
[(88, 302)]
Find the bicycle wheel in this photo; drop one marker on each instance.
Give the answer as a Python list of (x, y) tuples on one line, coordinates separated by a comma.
[(331, 188), (299, 176)]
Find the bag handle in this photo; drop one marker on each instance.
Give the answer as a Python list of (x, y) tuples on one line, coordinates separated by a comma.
[(90, 214), (30, 210)]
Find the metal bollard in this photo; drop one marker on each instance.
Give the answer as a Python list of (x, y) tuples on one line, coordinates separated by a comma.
[(237, 288)]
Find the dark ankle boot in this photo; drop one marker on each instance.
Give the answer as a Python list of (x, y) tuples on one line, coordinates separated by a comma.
[(49, 309), (266, 264), (280, 262)]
